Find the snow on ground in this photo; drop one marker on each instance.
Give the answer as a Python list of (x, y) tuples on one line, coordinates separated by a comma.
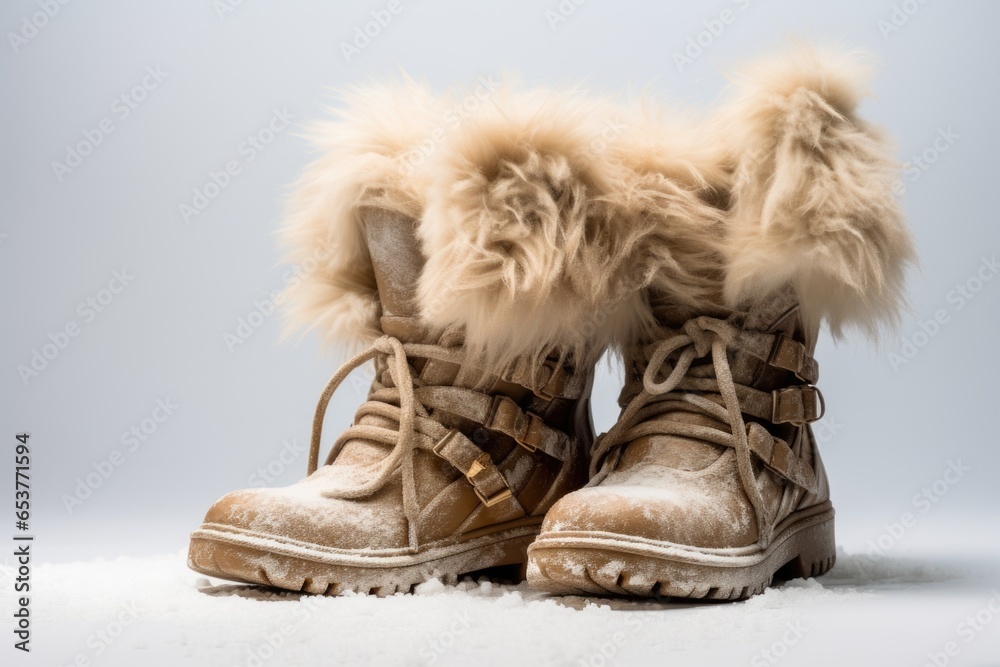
[(154, 611)]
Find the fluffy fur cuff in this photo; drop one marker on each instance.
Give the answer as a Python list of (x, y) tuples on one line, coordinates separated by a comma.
[(812, 199), (541, 216), (332, 286)]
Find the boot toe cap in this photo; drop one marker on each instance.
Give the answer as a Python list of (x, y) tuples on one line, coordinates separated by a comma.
[(289, 514), (675, 514)]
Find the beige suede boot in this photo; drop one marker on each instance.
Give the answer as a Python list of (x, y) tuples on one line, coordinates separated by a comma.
[(446, 469), (711, 481), (710, 484)]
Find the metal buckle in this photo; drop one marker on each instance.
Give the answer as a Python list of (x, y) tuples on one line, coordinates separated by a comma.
[(482, 462), (476, 468), (479, 465), (557, 376), (497, 498), (443, 442), (533, 420), (822, 402), (495, 403), (776, 403), (779, 344), (532, 424)]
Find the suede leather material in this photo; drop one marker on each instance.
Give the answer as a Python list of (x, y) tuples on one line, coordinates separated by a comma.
[(686, 490)]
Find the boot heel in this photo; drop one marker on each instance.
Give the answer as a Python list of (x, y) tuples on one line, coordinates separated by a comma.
[(816, 549)]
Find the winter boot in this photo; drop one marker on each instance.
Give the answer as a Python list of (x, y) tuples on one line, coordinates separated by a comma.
[(478, 265), (711, 484)]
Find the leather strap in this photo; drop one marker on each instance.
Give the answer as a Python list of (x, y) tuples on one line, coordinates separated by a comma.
[(780, 351), (779, 457), (528, 429), (775, 453), (489, 484), (798, 404), (499, 413), (549, 380)]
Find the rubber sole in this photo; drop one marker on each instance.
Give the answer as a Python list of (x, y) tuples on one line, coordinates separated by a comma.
[(582, 563), (237, 555)]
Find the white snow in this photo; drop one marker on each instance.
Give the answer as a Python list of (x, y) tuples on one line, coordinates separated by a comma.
[(154, 611)]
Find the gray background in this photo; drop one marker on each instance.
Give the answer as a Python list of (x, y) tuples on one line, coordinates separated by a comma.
[(889, 433)]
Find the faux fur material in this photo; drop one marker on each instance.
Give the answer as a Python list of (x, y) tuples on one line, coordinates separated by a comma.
[(539, 236), (812, 199), (512, 226), (365, 150), (544, 216), (540, 218), (674, 196)]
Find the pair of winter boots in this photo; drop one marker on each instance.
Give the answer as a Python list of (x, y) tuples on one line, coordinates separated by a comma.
[(485, 261)]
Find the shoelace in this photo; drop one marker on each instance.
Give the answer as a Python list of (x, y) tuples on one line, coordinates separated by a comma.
[(398, 404), (701, 336)]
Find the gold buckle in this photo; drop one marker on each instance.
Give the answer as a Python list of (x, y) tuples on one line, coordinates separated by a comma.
[(482, 462), (479, 465), (476, 468), (443, 442), (497, 498)]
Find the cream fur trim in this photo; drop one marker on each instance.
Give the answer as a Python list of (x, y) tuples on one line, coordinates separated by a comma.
[(812, 193), (544, 216)]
